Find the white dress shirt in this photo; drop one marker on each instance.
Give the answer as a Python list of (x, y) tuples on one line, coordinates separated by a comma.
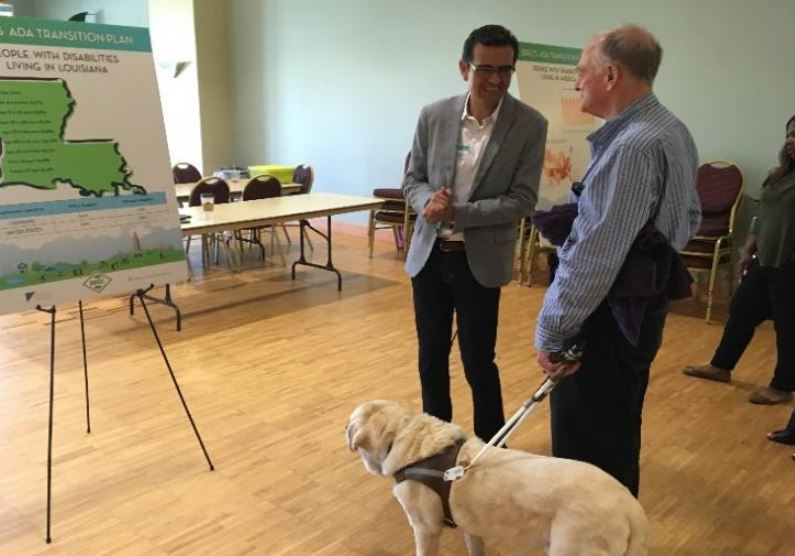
[(473, 137)]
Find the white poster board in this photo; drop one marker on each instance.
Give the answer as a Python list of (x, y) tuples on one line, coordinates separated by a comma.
[(87, 202), (545, 76)]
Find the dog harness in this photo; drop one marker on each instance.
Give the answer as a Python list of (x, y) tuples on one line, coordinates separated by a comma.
[(430, 472)]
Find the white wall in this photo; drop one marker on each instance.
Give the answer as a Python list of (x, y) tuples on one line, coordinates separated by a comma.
[(172, 28), (174, 40), (212, 52), (339, 84), (132, 13), (22, 8)]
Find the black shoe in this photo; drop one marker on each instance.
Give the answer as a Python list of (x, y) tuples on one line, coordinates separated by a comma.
[(783, 436)]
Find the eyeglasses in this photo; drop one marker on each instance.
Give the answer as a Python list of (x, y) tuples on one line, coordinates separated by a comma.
[(488, 71)]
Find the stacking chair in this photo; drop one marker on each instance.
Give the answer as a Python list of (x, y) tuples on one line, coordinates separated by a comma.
[(220, 190), (184, 172), (719, 186), (395, 214), (305, 176), (261, 187), (529, 246), (218, 187)]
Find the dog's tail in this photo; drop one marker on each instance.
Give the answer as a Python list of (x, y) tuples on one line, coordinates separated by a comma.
[(638, 542)]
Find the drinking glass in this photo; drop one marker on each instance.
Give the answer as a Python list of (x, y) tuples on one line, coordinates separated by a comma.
[(207, 201)]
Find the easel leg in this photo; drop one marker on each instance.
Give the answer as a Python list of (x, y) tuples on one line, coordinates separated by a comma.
[(51, 311), (85, 365), (141, 294)]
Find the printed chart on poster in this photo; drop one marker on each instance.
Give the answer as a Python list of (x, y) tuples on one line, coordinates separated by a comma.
[(546, 76), (87, 205)]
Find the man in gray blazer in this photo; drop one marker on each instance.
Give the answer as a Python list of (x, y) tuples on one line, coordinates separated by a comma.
[(475, 166)]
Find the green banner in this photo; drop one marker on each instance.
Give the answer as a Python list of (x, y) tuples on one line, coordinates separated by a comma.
[(73, 34), (544, 53)]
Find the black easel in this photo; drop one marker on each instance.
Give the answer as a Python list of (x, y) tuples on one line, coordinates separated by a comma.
[(141, 294)]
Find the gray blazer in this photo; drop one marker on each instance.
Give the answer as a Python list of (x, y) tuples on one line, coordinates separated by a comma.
[(504, 191)]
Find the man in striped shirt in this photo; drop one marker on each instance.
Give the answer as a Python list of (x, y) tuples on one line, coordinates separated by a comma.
[(643, 168)]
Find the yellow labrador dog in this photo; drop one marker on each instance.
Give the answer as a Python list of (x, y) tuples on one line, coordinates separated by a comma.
[(565, 507)]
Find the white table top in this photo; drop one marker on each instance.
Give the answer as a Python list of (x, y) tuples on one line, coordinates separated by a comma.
[(248, 214), (235, 186)]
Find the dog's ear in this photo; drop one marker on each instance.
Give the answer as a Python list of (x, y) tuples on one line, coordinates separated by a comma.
[(350, 430), (357, 436), (357, 425)]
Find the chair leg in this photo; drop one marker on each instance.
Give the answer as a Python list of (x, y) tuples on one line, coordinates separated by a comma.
[(522, 248), (408, 229), (408, 226), (286, 235), (222, 244), (371, 234), (278, 243), (309, 242), (256, 238), (531, 252), (205, 250), (396, 235), (712, 275), (217, 249)]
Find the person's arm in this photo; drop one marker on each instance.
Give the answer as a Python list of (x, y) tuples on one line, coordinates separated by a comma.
[(693, 217), (521, 196), (416, 189), (612, 210), (749, 248)]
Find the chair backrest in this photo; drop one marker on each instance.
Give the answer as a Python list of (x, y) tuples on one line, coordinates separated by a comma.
[(394, 201), (393, 198), (305, 176), (262, 187), (185, 172), (218, 187), (719, 185)]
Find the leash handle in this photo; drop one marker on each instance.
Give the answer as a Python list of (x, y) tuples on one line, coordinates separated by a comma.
[(571, 352)]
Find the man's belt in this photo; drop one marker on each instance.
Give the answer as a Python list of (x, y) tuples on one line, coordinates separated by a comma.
[(451, 246)]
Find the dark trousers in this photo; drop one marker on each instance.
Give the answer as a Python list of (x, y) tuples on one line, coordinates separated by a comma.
[(443, 287), (791, 423), (764, 293), (596, 412)]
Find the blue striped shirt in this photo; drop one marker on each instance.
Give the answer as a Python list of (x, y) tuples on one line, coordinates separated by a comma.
[(641, 154)]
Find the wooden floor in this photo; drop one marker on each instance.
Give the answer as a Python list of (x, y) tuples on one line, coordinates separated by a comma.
[(271, 369)]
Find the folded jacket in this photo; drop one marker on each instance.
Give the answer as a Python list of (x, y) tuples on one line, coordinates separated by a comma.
[(652, 273)]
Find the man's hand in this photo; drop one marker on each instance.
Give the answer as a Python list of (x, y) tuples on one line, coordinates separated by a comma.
[(440, 207), (745, 262), (553, 369)]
